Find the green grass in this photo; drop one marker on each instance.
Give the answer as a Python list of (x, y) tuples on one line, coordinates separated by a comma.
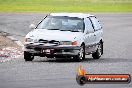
[(65, 5)]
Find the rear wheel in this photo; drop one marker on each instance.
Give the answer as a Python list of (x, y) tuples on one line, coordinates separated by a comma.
[(98, 52), (28, 56), (81, 55)]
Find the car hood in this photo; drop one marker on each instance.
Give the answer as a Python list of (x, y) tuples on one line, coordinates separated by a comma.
[(53, 35)]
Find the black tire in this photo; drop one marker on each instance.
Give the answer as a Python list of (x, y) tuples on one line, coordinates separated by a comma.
[(98, 52), (28, 56), (81, 55), (102, 48)]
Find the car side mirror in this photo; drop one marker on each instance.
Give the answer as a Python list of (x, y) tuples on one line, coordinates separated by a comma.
[(32, 26)]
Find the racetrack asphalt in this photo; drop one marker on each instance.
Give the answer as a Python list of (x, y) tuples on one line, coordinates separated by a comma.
[(43, 73)]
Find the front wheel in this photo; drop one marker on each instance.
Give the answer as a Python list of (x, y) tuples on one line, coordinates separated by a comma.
[(81, 55), (98, 52), (28, 56)]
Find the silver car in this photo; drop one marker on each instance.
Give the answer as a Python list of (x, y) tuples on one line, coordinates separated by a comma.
[(71, 35)]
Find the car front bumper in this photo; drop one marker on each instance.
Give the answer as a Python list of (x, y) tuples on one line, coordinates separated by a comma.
[(52, 50)]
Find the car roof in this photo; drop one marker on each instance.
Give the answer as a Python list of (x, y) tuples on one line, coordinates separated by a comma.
[(79, 15)]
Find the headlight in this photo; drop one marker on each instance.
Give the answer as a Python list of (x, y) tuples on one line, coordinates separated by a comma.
[(35, 41), (68, 43), (28, 40)]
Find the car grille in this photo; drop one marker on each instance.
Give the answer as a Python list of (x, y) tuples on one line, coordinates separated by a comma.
[(51, 41)]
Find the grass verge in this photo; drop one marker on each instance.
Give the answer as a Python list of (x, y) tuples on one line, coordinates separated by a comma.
[(65, 5)]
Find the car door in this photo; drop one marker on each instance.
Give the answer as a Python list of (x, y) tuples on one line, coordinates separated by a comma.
[(89, 37), (97, 29)]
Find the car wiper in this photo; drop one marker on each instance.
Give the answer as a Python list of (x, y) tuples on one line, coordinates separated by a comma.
[(53, 29), (75, 31), (65, 30), (71, 30)]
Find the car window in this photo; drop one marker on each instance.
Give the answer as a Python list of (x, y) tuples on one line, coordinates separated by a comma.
[(88, 25), (62, 23), (95, 23)]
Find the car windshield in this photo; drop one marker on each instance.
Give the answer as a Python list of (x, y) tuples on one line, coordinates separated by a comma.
[(62, 23)]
